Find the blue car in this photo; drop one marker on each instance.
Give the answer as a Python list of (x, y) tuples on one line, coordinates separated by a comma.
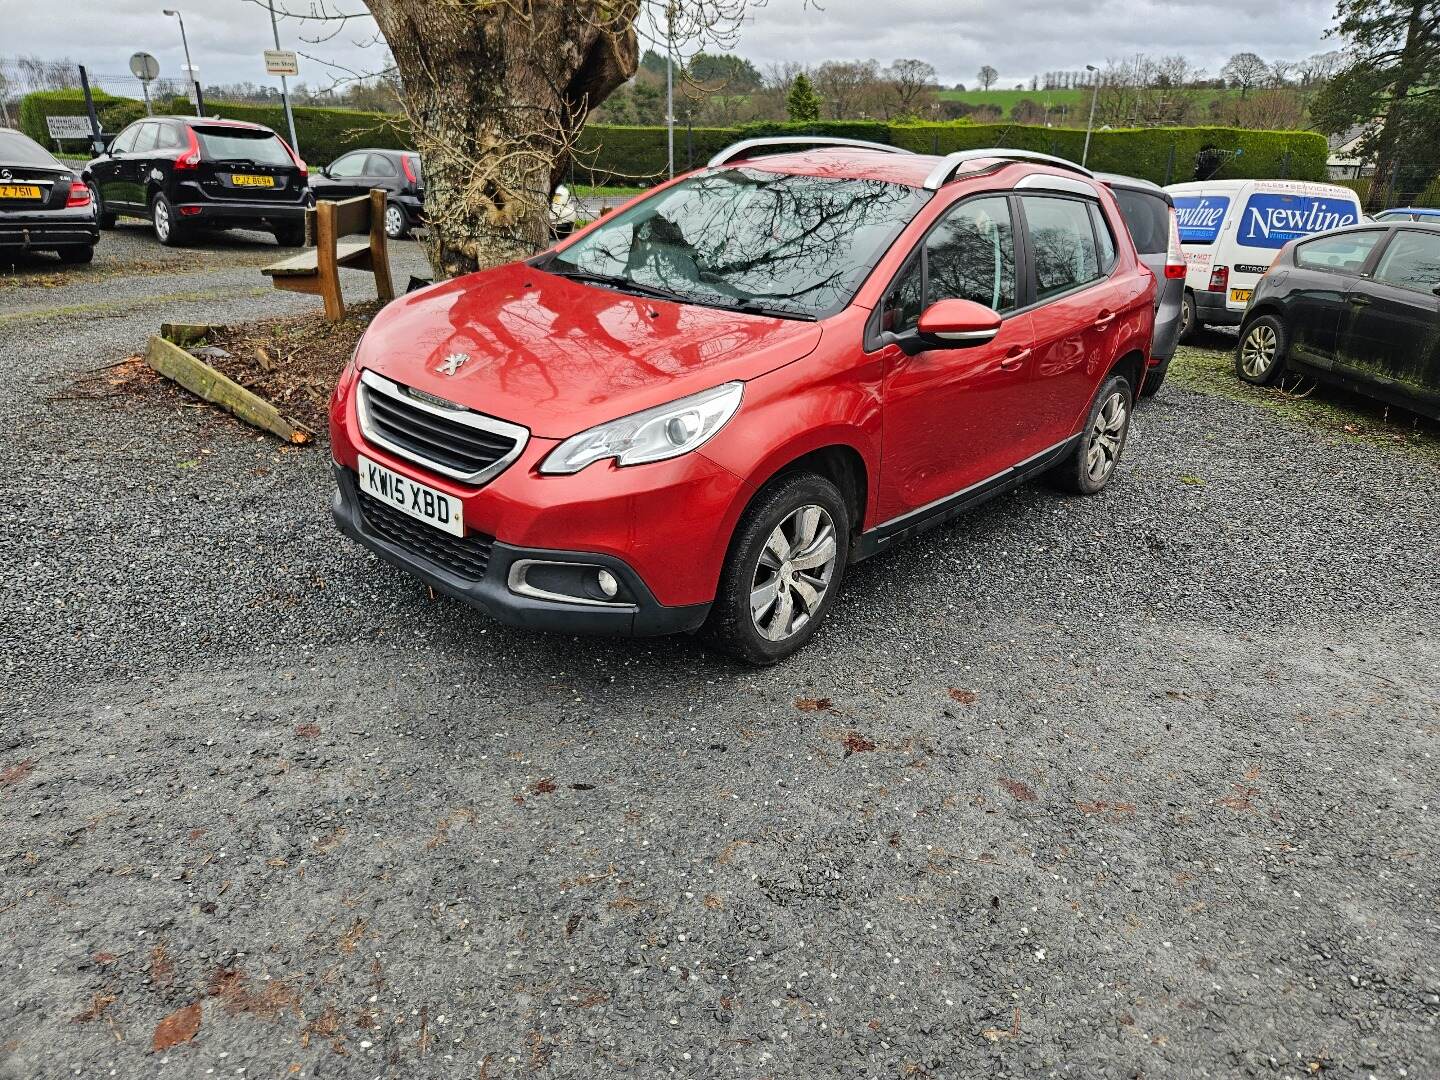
[(1410, 213)]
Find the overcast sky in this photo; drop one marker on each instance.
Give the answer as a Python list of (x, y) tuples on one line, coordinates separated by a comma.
[(1019, 37)]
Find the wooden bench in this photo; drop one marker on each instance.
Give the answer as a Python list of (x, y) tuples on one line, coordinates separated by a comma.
[(317, 271)]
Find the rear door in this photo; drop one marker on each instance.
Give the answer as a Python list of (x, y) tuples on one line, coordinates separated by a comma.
[(955, 417), (1391, 329), (381, 171), (1075, 313)]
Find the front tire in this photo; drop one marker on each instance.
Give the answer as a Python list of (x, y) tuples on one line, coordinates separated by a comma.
[(166, 222), (1260, 354), (784, 567), (1089, 467)]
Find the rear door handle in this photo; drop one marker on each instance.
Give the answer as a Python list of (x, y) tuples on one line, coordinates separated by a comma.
[(1013, 359), (1104, 319)]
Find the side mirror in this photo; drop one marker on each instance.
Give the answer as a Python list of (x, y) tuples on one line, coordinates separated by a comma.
[(957, 324)]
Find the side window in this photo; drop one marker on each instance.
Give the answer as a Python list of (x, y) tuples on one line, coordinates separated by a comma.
[(169, 138), (903, 303), (125, 141), (970, 255), (1344, 253), (1104, 238), (1412, 261), (145, 141), (1062, 241), (349, 166), (380, 165)]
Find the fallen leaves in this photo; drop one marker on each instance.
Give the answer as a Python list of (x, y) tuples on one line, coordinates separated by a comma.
[(995, 1035), (964, 697), (13, 774), (1018, 790), (162, 970), (96, 1009), (822, 704), (728, 852), (855, 743), (543, 786), (351, 937), (1239, 800), (179, 1027), (307, 730)]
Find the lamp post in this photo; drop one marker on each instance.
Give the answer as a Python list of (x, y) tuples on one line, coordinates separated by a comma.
[(189, 67), (670, 88), (1094, 96)]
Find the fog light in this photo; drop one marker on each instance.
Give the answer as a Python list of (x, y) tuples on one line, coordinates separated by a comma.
[(608, 585)]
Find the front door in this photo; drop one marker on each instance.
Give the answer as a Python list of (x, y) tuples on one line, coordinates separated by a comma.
[(1326, 269), (953, 417), (346, 177), (1392, 327)]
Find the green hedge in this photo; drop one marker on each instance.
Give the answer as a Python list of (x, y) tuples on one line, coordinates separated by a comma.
[(1142, 152), (627, 155), (113, 112)]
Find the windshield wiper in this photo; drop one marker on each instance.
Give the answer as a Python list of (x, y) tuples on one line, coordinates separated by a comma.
[(624, 284), (749, 307)]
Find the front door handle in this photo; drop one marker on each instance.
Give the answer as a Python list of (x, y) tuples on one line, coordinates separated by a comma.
[(1013, 359), (1359, 299), (1104, 319)]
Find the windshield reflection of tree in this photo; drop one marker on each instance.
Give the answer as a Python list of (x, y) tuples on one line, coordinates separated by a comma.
[(795, 243)]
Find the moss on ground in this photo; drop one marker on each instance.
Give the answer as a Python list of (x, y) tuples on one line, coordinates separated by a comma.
[(1331, 412)]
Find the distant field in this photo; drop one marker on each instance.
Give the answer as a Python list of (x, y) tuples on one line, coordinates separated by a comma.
[(1076, 99)]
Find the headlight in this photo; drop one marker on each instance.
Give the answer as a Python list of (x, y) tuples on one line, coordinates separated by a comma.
[(666, 431)]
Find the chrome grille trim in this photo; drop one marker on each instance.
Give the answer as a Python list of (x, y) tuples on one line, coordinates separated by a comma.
[(370, 382)]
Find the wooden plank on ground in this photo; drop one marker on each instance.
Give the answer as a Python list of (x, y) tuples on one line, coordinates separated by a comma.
[(204, 381), (188, 333)]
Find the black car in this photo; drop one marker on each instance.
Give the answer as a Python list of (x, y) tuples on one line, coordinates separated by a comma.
[(1358, 307), (43, 205), (183, 173), (395, 171)]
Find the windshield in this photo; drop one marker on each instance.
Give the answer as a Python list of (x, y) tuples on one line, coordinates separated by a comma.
[(746, 238), (242, 144)]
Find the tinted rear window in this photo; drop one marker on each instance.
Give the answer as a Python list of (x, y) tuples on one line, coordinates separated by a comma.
[(17, 149), (242, 144), (1148, 218)]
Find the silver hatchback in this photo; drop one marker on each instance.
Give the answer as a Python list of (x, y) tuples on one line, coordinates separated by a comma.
[(1149, 211)]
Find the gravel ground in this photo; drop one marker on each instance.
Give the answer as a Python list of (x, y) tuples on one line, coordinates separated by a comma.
[(1137, 785)]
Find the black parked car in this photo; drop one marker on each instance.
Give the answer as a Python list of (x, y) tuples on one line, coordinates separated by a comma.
[(43, 205), (398, 172), (1358, 307), (186, 172)]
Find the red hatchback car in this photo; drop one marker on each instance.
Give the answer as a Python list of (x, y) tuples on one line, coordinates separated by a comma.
[(696, 412)]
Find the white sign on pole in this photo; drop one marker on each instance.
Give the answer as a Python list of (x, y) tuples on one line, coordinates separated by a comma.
[(68, 127), (281, 62), (192, 76)]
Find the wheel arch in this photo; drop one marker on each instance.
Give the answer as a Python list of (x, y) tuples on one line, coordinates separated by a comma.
[(1132, 367)]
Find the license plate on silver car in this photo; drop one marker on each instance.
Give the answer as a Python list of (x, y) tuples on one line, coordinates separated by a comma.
[(412, 497)]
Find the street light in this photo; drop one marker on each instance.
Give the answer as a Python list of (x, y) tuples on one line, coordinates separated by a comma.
[(189, 67), (1094, 94)]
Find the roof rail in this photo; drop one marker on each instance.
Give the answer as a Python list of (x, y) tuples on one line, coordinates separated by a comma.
[(741, 148), (941, 174)]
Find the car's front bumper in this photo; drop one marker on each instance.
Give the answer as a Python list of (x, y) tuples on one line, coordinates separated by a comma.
[(491, 592)]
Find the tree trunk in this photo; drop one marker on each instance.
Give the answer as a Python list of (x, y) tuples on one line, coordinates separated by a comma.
[(1387, 144), (495, 92)]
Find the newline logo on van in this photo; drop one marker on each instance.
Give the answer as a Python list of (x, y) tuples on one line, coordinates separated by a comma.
[(1199, 217), (1273, 220)]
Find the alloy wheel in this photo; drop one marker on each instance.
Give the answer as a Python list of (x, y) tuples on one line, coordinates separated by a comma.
[(162, 220), (794, 573), (394, 222), (1257, 352), (1106, 437)]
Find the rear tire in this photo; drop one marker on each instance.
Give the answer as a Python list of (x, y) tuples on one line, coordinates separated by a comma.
[(103, 217), (1092, 463), (1260, 352), (166, 222), (75, 256), (1189, 320), (291, 234), (784, 567), (397, 225)]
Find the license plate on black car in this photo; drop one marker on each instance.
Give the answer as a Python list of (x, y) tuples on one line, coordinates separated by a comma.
[(240, 180)]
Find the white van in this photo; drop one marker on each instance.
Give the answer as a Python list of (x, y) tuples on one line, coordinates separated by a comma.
[(1231, 231)]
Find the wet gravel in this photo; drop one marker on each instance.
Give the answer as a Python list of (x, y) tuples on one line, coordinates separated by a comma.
[(1137, 785)]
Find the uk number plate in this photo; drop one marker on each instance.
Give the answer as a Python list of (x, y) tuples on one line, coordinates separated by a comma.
[(1240, 296), (19, 191), (241, 180), (411, 497)]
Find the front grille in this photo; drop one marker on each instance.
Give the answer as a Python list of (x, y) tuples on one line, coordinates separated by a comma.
[(457, 443), (465, 556)]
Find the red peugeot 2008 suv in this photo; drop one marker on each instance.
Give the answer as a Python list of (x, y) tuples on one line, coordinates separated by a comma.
[(696, 412)]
